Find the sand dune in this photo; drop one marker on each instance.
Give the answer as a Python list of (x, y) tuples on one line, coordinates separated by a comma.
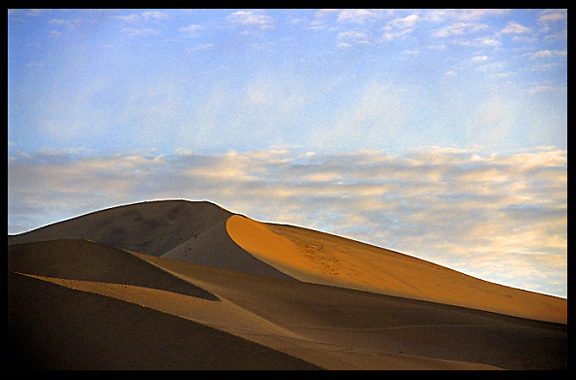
[(153, 227), (58, 328), (189, 285), (322, 258)]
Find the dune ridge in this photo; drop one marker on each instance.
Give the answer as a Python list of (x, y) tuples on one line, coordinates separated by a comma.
[(153, 227)]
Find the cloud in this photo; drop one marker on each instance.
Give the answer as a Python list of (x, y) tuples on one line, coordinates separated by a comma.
[(154, 15), (553, 15), (499, 217), (129, 18), (547, 88), (68, 23), (514, 28), (144, 16), (460, 29), (352, 37), (192, 29), (488, 42), (403, 22), (251, 19), (358, 16), (399, 27), (463, 14), (139, 32), (548, 54), (479, 58)]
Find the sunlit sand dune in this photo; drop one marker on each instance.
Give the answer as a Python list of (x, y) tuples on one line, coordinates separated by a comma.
[(322, 258), (215, 290)]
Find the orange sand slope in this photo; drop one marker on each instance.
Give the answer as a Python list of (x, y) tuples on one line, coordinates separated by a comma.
[(322, 258), (91, 314), (260, 295)]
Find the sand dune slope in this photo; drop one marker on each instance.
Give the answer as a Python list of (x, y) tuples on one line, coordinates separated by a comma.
[(214, 247), (153, 228), (54, 327), (321, 258), (89, 261), (86, 305), (349, 321), (177, 229)]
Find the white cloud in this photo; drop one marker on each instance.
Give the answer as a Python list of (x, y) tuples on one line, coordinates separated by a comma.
[(463, 14), (460, 29), (139, 32), (399, 27), (68, 23), (553, 15), (352, 37), (251, 19), (479, 58), (500, 217), (515, 28), (403, 22), (191, 29), (325, 12), (548, 54), (546, 88), (358, 16), (154, 15), (489, 42), (129, 18), (144, 16), (352, 34)]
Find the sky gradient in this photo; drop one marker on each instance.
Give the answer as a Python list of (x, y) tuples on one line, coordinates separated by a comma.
[(438, 133)]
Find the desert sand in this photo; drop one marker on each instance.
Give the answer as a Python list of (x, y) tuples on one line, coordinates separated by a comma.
[(190, 285)]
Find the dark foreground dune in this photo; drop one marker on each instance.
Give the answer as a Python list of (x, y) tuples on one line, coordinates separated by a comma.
[(172, 285)]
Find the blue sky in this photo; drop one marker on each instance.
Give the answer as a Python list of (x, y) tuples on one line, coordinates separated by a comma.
[(327, 80), (381, 125)]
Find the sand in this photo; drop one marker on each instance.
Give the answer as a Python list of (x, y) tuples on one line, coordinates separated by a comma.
[(217, 290), (153, 227), (322, 258)]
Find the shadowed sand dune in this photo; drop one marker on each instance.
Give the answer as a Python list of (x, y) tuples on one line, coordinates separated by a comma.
[(55, 327), (217, 290), (178, 229), (153, 227)]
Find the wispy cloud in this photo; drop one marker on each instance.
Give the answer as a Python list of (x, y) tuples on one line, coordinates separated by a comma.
[(358, 16), (553, 15), (479, 58), (460, 29), (399, 27), (548, 54), (192, 28), (251, 19), (139, 32), (463, 14), (144, 16), (515, 28), (154, 15), (352, 37), (498, 217)]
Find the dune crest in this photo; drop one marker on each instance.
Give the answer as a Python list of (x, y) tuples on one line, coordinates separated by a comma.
[(322, 258)]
